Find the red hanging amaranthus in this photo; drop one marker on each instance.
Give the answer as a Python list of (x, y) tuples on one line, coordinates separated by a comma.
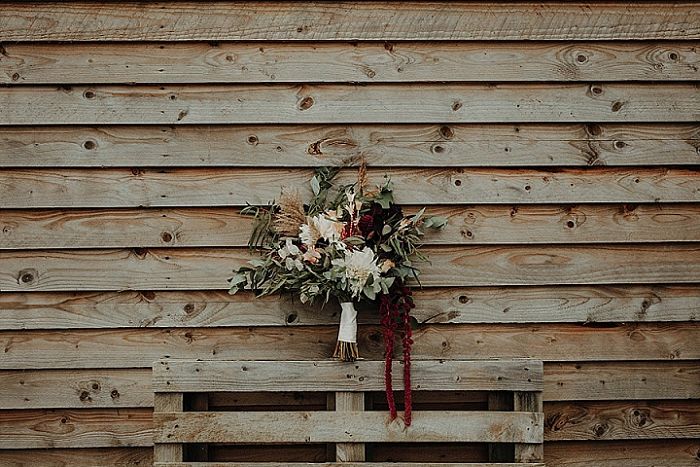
[(395, 309)]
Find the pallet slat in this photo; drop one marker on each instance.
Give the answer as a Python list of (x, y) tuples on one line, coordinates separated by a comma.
[(231, 20), (327, 427), (642, 453), (590, 381), (134, 348), (338, 62), (344, 464), (468, 225), (112, 188), (194, 269), (394, 145), (257, 376), (334, 103), (172, 309)]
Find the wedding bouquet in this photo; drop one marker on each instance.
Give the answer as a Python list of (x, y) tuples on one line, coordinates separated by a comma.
[(348, 243)]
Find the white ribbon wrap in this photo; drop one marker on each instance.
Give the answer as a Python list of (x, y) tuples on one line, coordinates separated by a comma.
[(348, 323)]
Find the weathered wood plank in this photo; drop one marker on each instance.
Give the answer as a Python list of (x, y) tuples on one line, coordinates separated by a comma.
[(34, 429), (195, 269), (265, 376), (111, 188), (133, 348), (342, 62), (327, 427), (352, 103), (395, 145), (166, 451), (231, 20), (225, 227), (114, 388), (568, 421), (349, 402), (621, 381), (55, 389), (642, 453), (528, 402), (84, 457), (543, 304)]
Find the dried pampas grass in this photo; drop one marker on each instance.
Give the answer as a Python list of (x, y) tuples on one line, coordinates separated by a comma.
[(291, 214)]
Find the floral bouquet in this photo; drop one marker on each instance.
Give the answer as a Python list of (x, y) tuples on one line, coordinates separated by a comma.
[(348, 243)]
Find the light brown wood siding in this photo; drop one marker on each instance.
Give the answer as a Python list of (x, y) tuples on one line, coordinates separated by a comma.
[(561, 138)]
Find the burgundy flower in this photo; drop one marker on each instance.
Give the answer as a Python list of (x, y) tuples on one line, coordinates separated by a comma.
[(366, 224)]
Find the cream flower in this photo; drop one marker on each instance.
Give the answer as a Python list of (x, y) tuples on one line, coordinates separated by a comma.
[(359, 265), (312, 256), (321, 226), (289, 249)]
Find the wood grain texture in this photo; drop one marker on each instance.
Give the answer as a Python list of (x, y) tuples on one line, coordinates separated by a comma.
[(139, 348), (642, 453), (116, 388), (351, 103), (389, 145), (621, 381), (73, 188), (231, 20), (568, 421), (195, 269), (173, 309), (170, 63), (563, 381), (327, 427), (344, 464), (265, 376), (349, 402), (468, 225), (34, 429), (84, 457)]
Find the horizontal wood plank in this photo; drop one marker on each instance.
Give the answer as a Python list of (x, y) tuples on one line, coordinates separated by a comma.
[(83, 457), (232, 20), (134, 348), (342, 62), (568, 421), (393, 145), (328, 427), (111, 188), (336, 103), (580, 381), (173, 309), (265, 376), (621, 381), (34, 429), (225, 227), (195, 269), (641, 453)]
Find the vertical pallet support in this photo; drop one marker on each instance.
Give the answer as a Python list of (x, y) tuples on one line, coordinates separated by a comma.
[(349, 402), (500, 401), (168, 402), (528, 402)]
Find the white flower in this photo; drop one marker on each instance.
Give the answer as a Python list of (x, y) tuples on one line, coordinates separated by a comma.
[(360, 265), (289, 249), (325, 226)]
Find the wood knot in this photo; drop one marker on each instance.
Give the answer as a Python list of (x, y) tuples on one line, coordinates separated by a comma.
[(15, 76), (596, 89), (167, 237), (95, 386), (114, 394), (140, 252), (182, 114), (89, 145), (189, 308), (446, 132), (617, 105), (594, 129), (85, 396), (438, 149), (570, 224), (673, 56), (137, 172), (291, 318), (600, 429), (89, 94), (456, 105), (388, 46), (581, 58), (620, 144), (252, 139), (458, 182), (27, 276), (306, 103)]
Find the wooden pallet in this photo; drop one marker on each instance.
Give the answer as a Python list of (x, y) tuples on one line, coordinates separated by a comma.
[(520, 380)]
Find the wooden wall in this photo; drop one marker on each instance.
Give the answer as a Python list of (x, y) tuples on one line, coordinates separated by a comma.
[(561, 139)]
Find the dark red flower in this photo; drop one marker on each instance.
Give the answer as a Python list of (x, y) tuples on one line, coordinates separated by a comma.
[(366, 224)]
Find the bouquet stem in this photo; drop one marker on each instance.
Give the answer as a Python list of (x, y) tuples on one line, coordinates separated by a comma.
[(346, 348)]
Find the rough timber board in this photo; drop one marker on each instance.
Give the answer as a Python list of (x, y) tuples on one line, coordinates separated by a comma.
[(350, 103), (260, 376), (230, 62), (230, 20)]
